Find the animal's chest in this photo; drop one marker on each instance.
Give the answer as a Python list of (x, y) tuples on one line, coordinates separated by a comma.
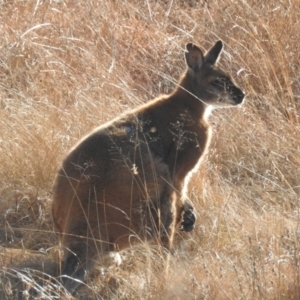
[(189, 144)]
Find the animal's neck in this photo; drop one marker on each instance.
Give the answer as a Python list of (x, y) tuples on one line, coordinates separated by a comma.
[(184, 94)]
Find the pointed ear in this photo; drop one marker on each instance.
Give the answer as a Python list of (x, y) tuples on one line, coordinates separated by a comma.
[(214, 53), (194, 57)]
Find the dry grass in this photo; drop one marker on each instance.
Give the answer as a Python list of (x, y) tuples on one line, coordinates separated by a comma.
[(68, 66)]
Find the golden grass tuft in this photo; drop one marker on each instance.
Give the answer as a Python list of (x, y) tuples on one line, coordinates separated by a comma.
[(68, 66)]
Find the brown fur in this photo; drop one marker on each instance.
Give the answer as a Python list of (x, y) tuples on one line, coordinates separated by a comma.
[(124, 182)]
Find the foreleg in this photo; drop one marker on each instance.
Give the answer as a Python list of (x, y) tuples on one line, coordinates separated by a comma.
[(186, 216)]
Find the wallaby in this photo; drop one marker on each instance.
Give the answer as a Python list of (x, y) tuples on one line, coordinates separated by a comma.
[(125, 182)]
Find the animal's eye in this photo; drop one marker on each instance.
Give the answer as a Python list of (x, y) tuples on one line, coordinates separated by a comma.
[(219, 82)]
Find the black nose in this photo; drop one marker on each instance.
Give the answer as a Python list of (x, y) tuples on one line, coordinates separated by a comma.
[(238, 96)]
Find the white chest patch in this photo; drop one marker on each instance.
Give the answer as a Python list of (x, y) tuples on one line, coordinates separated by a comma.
[(208, 111)]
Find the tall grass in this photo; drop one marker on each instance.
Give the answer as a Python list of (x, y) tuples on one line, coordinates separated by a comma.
[(68, 66)]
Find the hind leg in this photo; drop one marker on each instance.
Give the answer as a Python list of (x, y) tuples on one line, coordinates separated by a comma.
[(79, 259)]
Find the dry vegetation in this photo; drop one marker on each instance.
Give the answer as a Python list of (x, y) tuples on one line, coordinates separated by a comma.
[(68, 66)]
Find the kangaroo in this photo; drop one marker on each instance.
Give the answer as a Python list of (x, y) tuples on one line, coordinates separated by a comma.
[(126, 181)]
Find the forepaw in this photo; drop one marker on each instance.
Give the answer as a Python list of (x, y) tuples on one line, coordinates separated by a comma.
[(189, 220)]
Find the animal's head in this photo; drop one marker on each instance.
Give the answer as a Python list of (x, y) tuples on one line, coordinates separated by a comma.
[(208, 82)]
